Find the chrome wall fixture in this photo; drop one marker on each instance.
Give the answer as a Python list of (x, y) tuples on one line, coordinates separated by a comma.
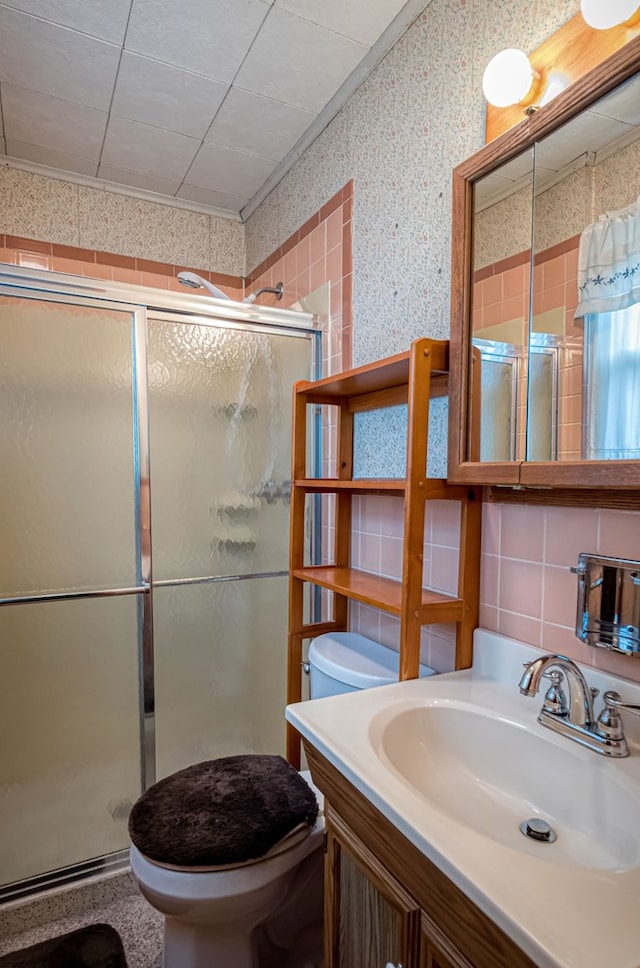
[(608, 615)]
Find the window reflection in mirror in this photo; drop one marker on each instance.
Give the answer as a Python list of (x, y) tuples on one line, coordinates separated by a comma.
[(502, 230), (586, 283)]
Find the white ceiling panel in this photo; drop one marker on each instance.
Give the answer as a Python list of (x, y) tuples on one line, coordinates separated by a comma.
[(361, 20), (228, 171), (623, 104), (55, 60), (136, 179), (50, 157), (143, 148), (37, 119), (206, 102), (209, 37), (586, 132), (106, 21), (165, 96), (204, 196), (257, 124), (295, 61)]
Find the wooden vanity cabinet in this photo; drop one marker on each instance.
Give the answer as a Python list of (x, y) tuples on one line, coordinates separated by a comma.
[(370, 918), (386, 904)]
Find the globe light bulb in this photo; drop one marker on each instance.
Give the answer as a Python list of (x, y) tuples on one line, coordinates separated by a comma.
[(508, 78), (603, 14)]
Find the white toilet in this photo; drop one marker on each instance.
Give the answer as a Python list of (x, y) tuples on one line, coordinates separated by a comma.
[(266, 913)]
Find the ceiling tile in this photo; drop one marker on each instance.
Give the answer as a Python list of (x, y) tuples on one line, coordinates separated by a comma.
[(227, 171), (295, 61), (209, 37), (623, 103), (165, 96), (136, 179), (52, 122), (56, 61), (50, 157), (586, 132), (143, 148), (233, 203), (361, 20), (258, 124), (106, 21)]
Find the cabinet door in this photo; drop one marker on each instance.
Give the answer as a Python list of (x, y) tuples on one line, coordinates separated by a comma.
[(372, 922), (432, 951), (432, 958)]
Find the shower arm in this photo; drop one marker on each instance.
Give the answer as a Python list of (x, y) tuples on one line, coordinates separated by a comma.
[(278, 290)]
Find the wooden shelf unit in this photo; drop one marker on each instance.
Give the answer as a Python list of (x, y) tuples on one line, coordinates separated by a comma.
[(412, 378)]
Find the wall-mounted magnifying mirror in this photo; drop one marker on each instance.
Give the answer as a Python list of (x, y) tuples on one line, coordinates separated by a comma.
[(550, 309)]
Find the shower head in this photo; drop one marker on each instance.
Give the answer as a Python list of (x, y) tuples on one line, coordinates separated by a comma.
[(193, 281), (278, 289)]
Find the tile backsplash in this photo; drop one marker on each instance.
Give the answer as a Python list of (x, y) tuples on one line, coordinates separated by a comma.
[(527, 591)]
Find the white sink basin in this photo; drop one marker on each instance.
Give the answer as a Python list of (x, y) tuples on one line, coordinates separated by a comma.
[(490, 774)]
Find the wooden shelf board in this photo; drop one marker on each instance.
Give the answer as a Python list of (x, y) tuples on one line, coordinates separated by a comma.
[(382, 593), (386, 485), (435, 489), (383, 374)]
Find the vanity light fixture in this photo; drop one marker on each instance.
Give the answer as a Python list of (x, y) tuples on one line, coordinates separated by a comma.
[(604, 14), (510, 79)]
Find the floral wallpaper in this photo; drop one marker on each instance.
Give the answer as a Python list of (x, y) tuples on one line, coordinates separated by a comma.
[(51, 210)]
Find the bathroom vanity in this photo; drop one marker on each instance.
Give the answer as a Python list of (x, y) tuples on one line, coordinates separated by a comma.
[(387, 904), (426, 785)]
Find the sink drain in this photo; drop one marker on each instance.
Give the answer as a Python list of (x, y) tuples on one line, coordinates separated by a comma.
[(537, 829)]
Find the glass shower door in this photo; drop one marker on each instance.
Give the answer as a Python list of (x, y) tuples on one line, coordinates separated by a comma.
[(220, 426), (70, 586)]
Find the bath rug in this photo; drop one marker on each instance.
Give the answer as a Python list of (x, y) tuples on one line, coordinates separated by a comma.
[(224, 811), (96, 946)]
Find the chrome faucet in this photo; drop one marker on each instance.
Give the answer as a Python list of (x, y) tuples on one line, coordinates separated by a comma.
[(576, 719)]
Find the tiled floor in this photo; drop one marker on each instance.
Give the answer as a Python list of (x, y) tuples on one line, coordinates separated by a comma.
[(112, 900)]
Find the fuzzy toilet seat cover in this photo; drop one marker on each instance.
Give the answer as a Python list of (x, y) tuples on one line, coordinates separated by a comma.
[(224, 811)]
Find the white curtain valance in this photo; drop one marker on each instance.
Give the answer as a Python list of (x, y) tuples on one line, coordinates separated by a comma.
[(609, 262)]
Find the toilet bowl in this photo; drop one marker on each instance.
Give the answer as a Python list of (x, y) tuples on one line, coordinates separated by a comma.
[(211, 916), (265, 913)]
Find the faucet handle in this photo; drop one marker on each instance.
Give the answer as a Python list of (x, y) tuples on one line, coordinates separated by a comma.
[(555, 701), (610, 725), (613, 700)]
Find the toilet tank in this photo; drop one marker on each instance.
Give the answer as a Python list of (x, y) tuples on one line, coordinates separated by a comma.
[(347, 661)]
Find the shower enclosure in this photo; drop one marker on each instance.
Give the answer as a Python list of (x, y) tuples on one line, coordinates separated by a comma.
[(144, 537)]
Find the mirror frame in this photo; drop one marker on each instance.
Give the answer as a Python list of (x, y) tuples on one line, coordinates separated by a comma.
[(618, 475)]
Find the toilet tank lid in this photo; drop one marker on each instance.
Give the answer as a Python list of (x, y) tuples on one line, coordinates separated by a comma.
[(356, 660)]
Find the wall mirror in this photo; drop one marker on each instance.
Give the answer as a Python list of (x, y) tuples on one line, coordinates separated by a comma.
[(546, 351)]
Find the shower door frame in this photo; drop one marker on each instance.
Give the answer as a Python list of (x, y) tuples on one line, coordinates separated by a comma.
[(144, 306)]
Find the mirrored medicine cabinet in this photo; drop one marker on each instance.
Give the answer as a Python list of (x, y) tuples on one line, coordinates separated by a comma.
[(545, 358)]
